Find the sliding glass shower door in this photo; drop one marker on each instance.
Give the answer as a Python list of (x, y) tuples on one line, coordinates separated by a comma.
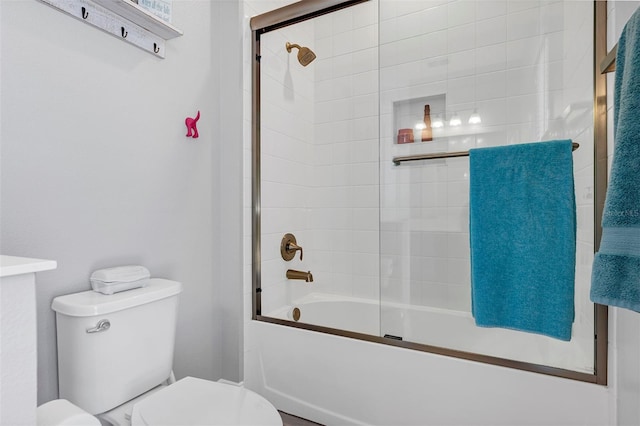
[(490, 74), (319, 177), (363, 118)]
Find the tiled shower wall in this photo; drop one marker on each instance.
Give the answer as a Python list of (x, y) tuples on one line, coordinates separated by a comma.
[(287, 111), (345, 206)]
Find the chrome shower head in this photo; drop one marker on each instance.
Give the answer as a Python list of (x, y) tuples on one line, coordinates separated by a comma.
[(305, 55)]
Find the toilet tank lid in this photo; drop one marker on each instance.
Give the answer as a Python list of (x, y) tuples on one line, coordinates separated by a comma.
[(90, 303)]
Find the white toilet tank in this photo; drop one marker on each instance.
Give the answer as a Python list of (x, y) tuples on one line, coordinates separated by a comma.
[(112, 348)]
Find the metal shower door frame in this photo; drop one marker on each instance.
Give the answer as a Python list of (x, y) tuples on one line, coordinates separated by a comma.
[(308, 9)]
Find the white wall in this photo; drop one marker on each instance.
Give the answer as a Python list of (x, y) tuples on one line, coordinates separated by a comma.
[(227, 33), (97, 171), (625, 324)]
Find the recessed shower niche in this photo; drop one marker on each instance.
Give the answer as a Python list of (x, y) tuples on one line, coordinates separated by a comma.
[(419, 119)]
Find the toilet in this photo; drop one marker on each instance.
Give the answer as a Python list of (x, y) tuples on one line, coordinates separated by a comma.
[(115, 356)]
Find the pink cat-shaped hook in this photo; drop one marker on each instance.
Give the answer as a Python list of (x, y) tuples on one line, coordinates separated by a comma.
[(192, 130)]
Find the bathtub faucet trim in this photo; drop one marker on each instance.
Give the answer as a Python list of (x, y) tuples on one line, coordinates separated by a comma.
[(293, 274)]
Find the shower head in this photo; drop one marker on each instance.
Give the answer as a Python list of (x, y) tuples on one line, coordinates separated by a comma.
[(305, 55)]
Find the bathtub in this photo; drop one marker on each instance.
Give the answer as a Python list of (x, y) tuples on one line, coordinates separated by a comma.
[(335, 380), (439, 328)]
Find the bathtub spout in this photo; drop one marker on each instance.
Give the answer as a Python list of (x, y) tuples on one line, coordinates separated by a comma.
[(292, 274)]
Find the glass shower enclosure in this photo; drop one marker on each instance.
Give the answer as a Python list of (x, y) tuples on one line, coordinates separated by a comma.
[(363, 116)]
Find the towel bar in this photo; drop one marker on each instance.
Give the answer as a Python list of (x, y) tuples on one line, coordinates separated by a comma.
[(398, 160), (608, 64)]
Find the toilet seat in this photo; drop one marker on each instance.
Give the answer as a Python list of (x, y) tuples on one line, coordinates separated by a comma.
[(192, 401)]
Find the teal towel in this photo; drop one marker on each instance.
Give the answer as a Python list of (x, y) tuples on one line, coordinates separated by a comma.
[(523, 237), (615, 279)]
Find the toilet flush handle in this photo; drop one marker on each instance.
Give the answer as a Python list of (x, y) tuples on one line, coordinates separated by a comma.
[(102, 325)]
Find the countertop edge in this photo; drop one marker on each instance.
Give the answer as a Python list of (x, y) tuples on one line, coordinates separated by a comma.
[(14, 265)]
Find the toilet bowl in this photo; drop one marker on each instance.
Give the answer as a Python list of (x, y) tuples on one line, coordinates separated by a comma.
[(115, 354), (193, 401), (189, 401), (61, 412)]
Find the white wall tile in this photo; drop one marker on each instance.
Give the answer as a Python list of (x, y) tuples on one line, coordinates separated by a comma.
[(433, 43), (365, 60), (461, 90), (432, 70), (492, 85), (323, 27), (491, 31), (411, 25), (405, 7), (342, 21), (522, 24), (519, 109), (367, 14), (461, 64), (343, 43), (551, 17), (522, 5), (524, 81), (342, 65), (323, 47), (365, 83), (525, 52), (461, 12), (490, 9), (388, 29), (491, 58), (461, 38)]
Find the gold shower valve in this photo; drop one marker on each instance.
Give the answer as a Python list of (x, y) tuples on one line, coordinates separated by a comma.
[(288, 247)]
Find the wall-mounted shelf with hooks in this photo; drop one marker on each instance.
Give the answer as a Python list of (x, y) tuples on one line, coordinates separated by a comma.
[(122, 19)]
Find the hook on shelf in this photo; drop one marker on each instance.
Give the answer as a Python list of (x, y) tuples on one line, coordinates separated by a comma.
[(156, 48), (123, 32), (85, 14)]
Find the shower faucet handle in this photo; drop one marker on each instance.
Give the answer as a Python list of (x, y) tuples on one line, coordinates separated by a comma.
[(289, 246), (293, 247)]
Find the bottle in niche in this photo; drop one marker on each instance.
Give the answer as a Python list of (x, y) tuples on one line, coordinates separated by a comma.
[(427, 135)]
